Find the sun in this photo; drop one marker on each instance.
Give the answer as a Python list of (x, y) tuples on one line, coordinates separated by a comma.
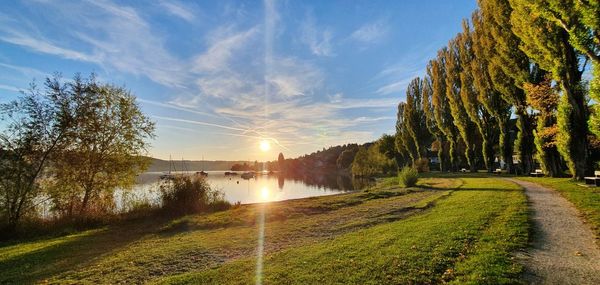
[(265, 145)]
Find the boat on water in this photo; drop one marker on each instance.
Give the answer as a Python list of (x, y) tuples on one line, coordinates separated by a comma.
[(247, 175), (202, 173), (168, 175), (228, 173)]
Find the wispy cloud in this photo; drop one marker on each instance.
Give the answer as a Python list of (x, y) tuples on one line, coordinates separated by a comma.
[(317, 38), (223, 44), (9, 88), (41, 45), (179, 10), (371, 33), (112, 36)]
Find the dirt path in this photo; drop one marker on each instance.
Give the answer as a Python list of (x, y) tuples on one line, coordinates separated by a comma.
[(563, 249)]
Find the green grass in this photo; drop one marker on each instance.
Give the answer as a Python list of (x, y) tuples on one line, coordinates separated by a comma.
[(586, 199), (466, 238), (425, 234)]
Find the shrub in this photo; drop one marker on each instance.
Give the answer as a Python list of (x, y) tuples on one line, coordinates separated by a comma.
[(187, 195), (408, 176), (422, 165)]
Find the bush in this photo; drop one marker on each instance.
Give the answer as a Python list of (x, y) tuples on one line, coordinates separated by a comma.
[(408, 176), (422, 165), (187, 195)]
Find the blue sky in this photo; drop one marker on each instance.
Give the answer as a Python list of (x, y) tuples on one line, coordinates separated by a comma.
[(219, 76)]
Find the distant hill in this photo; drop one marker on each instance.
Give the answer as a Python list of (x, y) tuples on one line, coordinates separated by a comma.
[(191, 165)]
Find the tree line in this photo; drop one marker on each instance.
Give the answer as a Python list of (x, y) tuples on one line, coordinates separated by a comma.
[(512, 81), (69, 145)]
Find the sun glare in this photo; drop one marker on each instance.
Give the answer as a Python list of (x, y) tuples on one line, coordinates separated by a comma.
[(265, 145), (264, 193)]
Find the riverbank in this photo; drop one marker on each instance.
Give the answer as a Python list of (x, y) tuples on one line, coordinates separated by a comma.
[(447, 229)]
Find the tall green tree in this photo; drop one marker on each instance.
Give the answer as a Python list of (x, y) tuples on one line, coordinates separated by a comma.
[(509, 68), (436, 71), (106, 145), (549, 45), (466, 127), (490, 98), (36, 127), (470, 95), (405, 144), (415, 120), (431, 123)]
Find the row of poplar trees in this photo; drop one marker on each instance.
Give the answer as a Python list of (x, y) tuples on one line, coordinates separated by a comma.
[(517, 65)]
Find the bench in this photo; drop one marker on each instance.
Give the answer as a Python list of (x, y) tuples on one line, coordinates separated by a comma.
[(537, 173), (593, 180), (498, 171)]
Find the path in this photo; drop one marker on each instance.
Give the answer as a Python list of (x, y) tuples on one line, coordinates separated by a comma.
[(563, 249)]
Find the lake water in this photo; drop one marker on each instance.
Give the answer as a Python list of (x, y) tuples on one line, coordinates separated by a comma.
[(263, 188)]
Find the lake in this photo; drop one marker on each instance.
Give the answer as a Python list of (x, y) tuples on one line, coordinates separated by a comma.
[(263, 188)]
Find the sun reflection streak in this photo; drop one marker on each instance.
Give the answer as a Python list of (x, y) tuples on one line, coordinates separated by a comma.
[(261, 243)]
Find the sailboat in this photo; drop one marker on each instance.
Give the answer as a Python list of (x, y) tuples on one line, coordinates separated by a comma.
[(168, 175), (202, 172)]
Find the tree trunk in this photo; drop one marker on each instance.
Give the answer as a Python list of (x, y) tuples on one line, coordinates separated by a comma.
[(526, 145)]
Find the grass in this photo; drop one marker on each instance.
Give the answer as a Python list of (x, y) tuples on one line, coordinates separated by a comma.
[(586, 199), (386, 234)]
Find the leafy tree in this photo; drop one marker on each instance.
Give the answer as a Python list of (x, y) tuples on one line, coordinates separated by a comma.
[(471, 95), (345, 158), (403, 140), (509, 68), (429, 117), (549, 45), (387, 147), (369, 161), (489, 97), (544, 98), (36, 127), (436, 70), (415, 121), (106, 146), (466, 127)]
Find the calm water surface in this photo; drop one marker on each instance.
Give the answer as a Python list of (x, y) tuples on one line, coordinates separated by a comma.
[(263, 188)]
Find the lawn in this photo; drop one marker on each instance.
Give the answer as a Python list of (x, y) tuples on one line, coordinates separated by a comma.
[(586, 199), (447, 229)]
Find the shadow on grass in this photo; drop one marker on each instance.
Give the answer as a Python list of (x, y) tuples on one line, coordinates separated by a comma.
[(52, 256)]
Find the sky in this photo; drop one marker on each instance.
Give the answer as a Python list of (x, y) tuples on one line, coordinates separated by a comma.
[(218, 77)]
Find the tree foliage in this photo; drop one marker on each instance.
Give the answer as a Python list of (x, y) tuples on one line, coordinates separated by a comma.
[(79, 139), (106, 145), (549, 46), (36, 127)]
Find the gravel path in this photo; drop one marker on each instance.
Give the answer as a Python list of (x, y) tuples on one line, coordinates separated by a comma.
[(563, 249)]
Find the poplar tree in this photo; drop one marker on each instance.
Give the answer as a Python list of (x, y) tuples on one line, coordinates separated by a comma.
[(436, 70), (402, 137), (431, 123), (509, 68), (415, 121), (488, 96), (549, 46), (467, 129), (479, 115)]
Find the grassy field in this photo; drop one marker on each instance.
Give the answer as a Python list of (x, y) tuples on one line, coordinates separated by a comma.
[(586, 199), (445, 230)]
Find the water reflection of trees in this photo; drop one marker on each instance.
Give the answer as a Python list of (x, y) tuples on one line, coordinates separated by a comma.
[(329, 181)]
